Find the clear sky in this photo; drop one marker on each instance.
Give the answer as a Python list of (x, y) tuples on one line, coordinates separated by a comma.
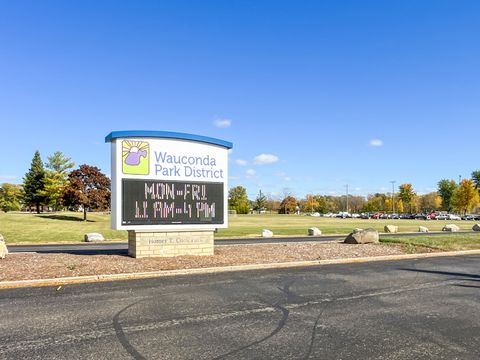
[(314, 95)]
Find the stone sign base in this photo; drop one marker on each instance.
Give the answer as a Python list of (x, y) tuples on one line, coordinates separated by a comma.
[(149, 244)]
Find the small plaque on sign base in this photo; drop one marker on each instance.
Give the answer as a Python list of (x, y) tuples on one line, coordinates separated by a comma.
[(168, 244)]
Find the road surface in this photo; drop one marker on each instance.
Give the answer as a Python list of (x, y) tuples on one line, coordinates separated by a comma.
[(120, 248), (410, 309)]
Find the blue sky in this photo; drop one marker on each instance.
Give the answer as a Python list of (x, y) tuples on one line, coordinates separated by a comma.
[(313, 94)]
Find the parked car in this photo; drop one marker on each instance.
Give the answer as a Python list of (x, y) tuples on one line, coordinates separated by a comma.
[(343, 215), (471, 217), (453, 217), (420, 217), (365, 216), (441, 217)]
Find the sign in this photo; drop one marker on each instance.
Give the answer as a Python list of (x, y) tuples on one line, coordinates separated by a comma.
[(150, 202), (167, 181)]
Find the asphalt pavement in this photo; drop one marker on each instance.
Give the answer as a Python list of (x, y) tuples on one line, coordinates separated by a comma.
[(409, 309)]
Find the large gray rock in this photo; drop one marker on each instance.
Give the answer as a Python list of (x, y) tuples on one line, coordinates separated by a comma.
[(359, 236), (93, 237), (3, 248), (476, 227), (451, 228), (267, 233), (313, 231), (423, 229), (390, 229)]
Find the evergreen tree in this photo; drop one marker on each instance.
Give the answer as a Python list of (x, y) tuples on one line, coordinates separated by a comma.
[(476, 179), (33, 183), (59, 163), (56, 179), (260, 202)]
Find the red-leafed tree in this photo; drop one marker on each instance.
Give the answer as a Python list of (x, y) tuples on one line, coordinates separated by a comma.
[(88, 187)]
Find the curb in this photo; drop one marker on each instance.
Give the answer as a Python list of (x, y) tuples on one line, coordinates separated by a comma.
[(222, 269)]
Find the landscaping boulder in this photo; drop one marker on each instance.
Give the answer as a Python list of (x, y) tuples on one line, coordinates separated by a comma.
[(423, 229), (3, 248), (267, 233), (313, 231), (93, 237), (390, 229), (359, 236), (476, 227), (451, 228)]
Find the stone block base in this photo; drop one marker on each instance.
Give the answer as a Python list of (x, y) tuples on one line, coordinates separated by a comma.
[(167, 244)]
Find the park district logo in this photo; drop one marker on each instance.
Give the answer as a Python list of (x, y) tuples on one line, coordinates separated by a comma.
[(135, 157)]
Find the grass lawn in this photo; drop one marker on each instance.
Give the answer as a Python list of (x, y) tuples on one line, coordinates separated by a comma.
[(252, 225), (448, 242), (66, 227), (62, 227)]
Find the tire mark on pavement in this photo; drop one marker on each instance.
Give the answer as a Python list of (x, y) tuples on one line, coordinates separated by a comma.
[(280, 326), (122, 337)]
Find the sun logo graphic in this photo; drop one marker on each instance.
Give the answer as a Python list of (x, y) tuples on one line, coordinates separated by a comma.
[(135, 157)]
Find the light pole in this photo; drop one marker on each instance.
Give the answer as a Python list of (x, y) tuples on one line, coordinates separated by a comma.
[(393, 196), (347, 197)]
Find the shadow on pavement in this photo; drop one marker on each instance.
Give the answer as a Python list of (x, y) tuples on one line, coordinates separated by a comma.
[(86, 251)]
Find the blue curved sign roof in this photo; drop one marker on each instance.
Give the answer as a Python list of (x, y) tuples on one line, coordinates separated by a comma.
[(166, 135)]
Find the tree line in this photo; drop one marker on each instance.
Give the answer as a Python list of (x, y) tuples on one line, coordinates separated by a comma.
[(55, 186), (451, 196)]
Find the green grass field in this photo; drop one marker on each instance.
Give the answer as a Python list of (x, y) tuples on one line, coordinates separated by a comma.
[(61, 227), (448, 242), (67, 227), (252, 225)]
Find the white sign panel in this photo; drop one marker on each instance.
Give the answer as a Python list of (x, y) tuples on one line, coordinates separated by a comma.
[(168, 181)]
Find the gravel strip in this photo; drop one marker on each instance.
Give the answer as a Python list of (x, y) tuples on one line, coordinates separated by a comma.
[(28, 266)]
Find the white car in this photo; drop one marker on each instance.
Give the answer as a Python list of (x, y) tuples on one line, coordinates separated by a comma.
[(454, 217)]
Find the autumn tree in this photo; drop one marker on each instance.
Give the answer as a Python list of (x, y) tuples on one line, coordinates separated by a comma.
[(288, 205), (322, 204), (399, 206), (10, 197), (88, 187), (446, 189), (376, 202), (272, 203), (407, 195), (34, 183), (429, 202), (238, 200), (310, 204), (466, 197)]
